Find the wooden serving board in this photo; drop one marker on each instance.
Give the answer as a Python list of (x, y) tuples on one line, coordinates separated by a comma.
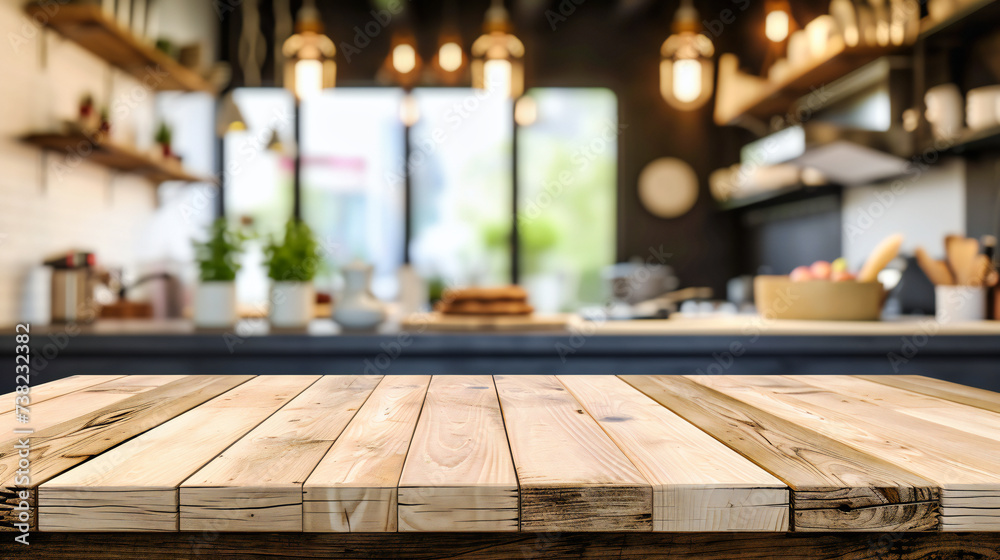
[(487, 455), (439, 322)]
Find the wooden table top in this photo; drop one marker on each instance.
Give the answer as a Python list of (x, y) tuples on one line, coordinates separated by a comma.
[(506, 453)]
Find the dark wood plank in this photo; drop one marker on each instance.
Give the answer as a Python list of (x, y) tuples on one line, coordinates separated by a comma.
[(63, 446), (834, 486), (504, 546)]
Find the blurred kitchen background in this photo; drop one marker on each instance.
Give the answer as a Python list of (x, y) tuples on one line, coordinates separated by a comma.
[(623, 159)]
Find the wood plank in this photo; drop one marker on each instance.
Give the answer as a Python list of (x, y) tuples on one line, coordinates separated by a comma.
[(66, 407), (256, 484), (971, 396), (572, 476), (354, 487), (66, 445), (458, 474), (53, 389), (947, 413), (698, 483), (102, 35), (834, 487), (962, 464), (134, 486), (505, 546)]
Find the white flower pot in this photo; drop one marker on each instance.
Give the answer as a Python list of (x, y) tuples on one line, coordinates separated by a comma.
[(215, 305), (292, 304)]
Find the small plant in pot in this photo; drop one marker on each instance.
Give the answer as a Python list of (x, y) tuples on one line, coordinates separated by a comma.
[(292, 265), (215, 296)]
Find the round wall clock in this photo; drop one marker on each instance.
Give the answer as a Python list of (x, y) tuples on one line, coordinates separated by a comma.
[(668, 187)]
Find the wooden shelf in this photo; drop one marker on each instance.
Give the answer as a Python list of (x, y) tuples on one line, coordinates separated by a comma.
[(967, 21), (115, 156), (753, 96), (92, 29)]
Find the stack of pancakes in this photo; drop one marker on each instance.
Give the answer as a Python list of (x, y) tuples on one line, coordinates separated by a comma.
[(502, 300)]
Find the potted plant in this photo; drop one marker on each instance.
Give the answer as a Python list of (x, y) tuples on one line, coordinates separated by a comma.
[(291, 265), (215, 296), (164, 138)]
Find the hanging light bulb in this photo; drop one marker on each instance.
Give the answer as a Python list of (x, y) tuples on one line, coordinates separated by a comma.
[(686, 69), (449, 62), (309, 64), (403, 65), (497, 55)]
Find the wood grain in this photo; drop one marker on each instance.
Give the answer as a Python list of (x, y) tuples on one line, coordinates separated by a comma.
[(45, 391), (963, 465), (834, 486), (698, 483), (61, 447), (256, 484), (947, 413), (458, 474), (572, 476), (134, 486), (66, 407), (971, 396), (354, 486), (505, 546)]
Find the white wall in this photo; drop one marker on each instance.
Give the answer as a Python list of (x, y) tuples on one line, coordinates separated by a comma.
[(49, 204), (923, 207)]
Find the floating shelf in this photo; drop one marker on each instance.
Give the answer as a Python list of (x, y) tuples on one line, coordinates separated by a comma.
[(92, 29), (753, 96), (115, 156), (758, 97)]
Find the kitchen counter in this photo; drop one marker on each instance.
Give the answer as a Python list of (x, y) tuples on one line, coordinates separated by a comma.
[(963, 353)]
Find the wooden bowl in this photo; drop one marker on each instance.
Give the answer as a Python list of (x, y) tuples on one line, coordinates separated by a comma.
[(777, 297)]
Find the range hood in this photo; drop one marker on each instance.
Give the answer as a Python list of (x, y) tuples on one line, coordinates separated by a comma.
[(851, 130)]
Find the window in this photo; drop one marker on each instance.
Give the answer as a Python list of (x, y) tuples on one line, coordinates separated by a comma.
[(460, 164), (567, 167), (352, 198)]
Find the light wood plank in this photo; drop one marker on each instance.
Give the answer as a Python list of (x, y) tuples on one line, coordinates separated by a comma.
[(971, 396), (354, 487), (834, 487), (698, 483), (962, 464), (947, 413), (458, 474), (134, 486), (256, 484), (45, 391), (66, 407), (59, 448), (572, 476)]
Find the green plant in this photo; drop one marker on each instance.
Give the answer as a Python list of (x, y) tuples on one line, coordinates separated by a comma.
[(216, 257), (296, 258), (164, 135)]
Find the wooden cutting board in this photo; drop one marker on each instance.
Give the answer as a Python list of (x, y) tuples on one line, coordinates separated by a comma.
[(439, 322)]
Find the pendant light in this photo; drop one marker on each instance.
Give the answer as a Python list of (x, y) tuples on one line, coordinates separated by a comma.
[(449, 62), (403, 65), (686, 69), (309, 64), (497, 55)]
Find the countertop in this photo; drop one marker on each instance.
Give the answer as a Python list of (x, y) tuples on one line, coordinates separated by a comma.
[(964, 353)]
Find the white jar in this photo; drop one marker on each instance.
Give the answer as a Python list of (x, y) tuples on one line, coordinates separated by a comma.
[(957, 304)]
